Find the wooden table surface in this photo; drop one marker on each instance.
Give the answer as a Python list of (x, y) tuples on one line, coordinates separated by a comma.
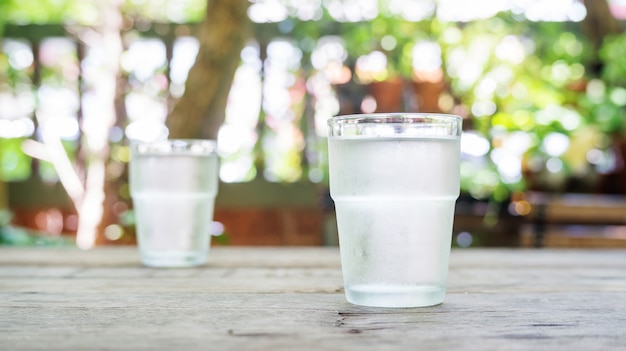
[(292, 299)]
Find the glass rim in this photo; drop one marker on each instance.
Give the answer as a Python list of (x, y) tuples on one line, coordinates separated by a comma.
[(179, 146), (394, 118), (395, 125)]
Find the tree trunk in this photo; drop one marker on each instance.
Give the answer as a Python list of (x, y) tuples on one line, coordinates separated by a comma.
[(201, 110), (600, 22), (3, 196), (96, 133)]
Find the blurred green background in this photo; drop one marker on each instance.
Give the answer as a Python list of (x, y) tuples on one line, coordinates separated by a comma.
[(541, 86)]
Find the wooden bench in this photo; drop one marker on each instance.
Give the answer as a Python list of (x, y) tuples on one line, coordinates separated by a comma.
[(574, 220)]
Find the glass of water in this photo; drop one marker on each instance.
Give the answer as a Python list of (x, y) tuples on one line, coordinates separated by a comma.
[(394, 179), (173, 184)]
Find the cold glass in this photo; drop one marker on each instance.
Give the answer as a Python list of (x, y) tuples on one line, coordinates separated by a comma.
[(173, 186), (394, 179)]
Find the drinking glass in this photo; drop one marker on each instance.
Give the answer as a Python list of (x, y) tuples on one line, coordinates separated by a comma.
[(173, 186), (394, 179)]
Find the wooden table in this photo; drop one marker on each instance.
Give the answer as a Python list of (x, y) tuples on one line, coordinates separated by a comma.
[(292, 299)]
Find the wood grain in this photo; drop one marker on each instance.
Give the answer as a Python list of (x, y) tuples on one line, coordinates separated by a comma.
[(292, 298)]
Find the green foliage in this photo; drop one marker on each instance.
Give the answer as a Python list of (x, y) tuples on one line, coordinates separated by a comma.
[(613, 54), (86, 12), (176, 11), (41, 11), (533, 78), (508, 75), (607, 100), (14, 164)]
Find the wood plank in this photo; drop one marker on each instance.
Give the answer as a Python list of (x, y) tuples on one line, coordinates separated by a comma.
[(320, 321), (129, 256), (292, 298), (578, 208), (575, 236), (223, 256)]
